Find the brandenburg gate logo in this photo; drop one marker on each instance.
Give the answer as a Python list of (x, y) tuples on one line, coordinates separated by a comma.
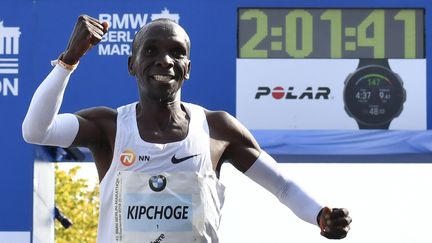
[(9, 50)]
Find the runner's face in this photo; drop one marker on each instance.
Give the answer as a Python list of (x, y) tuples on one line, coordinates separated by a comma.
[(161, 60)]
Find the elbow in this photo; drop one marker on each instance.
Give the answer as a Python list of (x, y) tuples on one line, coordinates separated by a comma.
[(31, 134)]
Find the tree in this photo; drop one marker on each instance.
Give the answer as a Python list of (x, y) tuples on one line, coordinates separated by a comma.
[(80, 203)]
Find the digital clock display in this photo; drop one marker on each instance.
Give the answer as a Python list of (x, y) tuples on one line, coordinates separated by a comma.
[(330, 33)]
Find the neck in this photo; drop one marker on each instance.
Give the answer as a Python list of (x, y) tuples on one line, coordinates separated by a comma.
[(160, 105), (159, 114), (153, 104)]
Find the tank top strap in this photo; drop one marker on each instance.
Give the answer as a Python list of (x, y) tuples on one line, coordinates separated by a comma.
[(126, 112), (198, 117)]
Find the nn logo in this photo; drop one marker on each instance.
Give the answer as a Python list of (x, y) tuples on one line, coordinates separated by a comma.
[(293, 94), (128, 157), (9, 51)]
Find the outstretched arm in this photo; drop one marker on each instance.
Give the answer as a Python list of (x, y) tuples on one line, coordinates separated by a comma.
[(333, 223), (266, 173), (42, 124), (236, 144)]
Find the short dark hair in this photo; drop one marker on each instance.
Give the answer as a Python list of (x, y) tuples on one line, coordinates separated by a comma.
[(144, 27)]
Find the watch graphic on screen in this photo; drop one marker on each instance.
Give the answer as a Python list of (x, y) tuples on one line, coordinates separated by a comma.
[(373, 94)]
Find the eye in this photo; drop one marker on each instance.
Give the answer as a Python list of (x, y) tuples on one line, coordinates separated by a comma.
[(150, 51), (179, 52)]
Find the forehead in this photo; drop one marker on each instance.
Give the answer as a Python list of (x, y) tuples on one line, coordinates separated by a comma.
[(162, 31)]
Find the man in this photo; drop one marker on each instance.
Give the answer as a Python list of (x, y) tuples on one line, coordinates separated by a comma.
[(175, 195)]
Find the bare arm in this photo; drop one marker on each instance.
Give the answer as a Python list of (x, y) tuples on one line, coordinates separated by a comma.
[(231, 141), (97, 129)]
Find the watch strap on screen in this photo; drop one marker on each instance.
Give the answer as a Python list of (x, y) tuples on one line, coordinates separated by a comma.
[(364, 126), (372, 61)]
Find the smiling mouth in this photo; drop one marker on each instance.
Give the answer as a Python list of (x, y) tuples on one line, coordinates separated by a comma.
[(163, 78)]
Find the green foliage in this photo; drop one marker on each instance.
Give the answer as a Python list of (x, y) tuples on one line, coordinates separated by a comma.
[(80, 203)]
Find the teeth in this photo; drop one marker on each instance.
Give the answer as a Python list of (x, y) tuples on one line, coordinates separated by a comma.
[(159, 77)]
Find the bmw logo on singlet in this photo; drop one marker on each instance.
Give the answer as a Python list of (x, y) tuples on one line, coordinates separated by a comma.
[(157, 183)]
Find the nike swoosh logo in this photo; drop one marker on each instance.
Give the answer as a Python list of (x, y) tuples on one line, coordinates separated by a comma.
[(175, 160)]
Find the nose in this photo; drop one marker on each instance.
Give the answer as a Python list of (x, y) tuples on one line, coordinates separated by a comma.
[(165, 60)]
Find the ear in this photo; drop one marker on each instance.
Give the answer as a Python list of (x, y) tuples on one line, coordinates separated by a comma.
[(130, 66), (187, 74)]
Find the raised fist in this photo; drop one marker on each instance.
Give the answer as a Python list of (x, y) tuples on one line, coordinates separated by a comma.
[(87, 32), (334, 223)]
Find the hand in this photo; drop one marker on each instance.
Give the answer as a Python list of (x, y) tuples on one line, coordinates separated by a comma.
[(87, 32), (334, 223)]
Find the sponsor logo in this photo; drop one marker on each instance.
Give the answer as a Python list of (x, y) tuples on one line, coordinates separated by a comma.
[(123, 27), (175, 160), (128, 157), (292, 93), (157, 183), (9, 51)]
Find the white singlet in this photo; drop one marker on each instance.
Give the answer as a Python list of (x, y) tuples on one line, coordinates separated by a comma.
[(160, 193)]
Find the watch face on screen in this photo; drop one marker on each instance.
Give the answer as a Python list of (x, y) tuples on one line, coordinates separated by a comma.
[(374, 95)]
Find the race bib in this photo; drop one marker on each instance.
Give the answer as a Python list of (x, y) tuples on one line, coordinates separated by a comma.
[(163, 208)]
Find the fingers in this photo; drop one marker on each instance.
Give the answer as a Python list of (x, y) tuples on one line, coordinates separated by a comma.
[(96, 34), (95, 28), (338, 212), (336, 233), (87, 32), (338, 217), (101, 26), (339, 222), (94, 21), (335, 223)]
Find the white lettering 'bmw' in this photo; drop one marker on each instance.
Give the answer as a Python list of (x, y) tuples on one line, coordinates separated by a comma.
[(122, 27)]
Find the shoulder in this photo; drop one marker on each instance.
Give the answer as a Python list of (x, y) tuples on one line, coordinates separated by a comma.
[(224, 125), (216, 119), (238, 143), (219, 118)]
